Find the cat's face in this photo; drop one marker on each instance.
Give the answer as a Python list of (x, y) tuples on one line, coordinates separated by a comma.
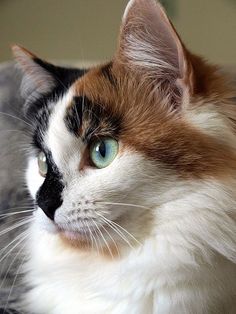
[(87, 173), (116, 142)]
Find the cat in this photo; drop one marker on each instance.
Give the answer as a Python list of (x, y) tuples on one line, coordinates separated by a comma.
[(133, 173)]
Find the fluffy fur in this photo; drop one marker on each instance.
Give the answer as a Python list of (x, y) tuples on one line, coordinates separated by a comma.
[(155, 231)]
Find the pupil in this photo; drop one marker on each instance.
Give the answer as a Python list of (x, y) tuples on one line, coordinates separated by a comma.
[(102, 149)]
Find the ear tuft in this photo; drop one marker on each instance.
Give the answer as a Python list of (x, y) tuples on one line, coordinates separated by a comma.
[(21, 54), (36, 79)]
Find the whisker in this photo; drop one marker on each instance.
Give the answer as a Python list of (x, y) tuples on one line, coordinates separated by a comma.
[(122, 204), (11, 264), (90, 233), (17, 131), (17, 213), (13, 241), (12, 287), (123, 229), (87, 239), (98, 239), (117, 231), (96, 242), (118, 252), (107, 245), (21, 223), (18, 243), (14, 117), (127, 232)]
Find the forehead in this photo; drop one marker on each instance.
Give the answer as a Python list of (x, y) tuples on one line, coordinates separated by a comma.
[(77, 118), (110, 102)]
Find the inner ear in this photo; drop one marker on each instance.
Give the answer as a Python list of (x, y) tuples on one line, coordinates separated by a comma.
[(150, 46)]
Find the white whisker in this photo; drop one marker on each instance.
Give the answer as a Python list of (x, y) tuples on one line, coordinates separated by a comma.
[(14, 117), (13, 241), (107, 245), (21, 223), (18, 243), (117, 231), (90, 233), (12, 287), (118, 252), (11, 264), (127, 232), (122, 204), (16, 213), (96, 243)]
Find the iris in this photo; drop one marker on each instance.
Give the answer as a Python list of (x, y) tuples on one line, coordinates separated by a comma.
[(103, 152)]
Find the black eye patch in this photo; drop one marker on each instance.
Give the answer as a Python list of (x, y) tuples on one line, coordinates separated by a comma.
[(74, 115), (98, 119)]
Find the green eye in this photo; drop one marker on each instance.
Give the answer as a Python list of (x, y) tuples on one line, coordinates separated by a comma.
[(103, 152), (42, 164)]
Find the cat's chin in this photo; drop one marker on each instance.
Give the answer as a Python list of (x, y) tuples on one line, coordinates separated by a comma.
[(76, 235), (80, 234)]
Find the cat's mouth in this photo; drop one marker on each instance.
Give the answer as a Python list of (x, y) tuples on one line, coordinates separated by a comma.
[(87, 232), (82, 233)]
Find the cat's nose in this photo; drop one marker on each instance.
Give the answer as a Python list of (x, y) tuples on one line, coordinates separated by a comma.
[(49, 206), (49, 196)]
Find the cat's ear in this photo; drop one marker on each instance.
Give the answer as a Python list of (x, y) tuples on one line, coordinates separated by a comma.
[(149, 44), (37, 77)]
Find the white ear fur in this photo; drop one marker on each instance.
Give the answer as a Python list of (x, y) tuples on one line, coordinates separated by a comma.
[(36, 79), (149, 43)]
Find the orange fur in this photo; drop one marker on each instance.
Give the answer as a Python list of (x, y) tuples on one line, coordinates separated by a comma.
[(151, 128)]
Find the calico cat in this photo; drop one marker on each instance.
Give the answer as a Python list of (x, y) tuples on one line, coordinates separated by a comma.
[(133, 173)]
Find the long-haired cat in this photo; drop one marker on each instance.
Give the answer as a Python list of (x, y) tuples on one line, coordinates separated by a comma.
[(133, 173)]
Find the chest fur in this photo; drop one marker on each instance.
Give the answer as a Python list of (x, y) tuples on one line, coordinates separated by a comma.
[(147, 280)]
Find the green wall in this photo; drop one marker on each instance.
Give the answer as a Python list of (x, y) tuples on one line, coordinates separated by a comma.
[(87, 29)]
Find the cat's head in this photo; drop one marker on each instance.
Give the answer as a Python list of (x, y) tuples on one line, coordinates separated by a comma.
[(113, 144)]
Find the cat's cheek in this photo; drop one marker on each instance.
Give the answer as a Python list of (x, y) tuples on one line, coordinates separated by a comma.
[(33, 178)]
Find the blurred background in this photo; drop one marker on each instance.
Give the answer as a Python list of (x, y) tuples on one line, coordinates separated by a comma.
[(87, 29)]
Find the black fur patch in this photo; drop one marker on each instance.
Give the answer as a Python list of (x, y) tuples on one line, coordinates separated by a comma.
[(99, 121), (49, 195), (73, 118), (38, 111), (64, 78)]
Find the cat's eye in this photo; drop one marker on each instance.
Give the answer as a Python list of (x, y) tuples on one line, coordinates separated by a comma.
[(103, 152), (42, 164)]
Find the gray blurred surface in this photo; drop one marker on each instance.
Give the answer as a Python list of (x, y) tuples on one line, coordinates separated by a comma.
[(13, 195)]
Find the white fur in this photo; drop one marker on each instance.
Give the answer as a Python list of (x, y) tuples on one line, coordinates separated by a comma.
[(127, 9), (178, 253), (174, 271), (185, 265), (206, 117)]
